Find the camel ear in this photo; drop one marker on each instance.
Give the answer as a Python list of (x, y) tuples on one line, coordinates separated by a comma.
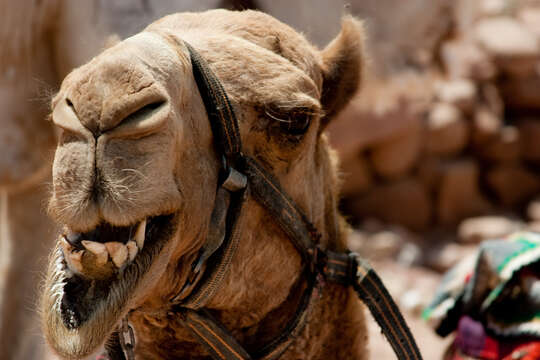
[(343, 64)]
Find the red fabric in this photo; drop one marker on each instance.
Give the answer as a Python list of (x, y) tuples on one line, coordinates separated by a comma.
[(528, 351), (524, 351), (472, 341)]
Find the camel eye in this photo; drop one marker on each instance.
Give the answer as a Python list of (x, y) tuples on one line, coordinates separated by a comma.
[(293, 122), (298, 124)]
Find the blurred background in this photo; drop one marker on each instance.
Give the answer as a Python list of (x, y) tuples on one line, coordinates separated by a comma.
[(439, 151)]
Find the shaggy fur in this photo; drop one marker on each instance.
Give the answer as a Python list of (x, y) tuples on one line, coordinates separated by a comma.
[(116, 168)]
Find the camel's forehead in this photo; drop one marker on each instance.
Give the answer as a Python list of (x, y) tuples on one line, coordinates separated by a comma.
[(237, 29), (260, 61), (129, 63)]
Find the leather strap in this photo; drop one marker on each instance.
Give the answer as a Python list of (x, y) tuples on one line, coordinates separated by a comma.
[(350, 269), (218, 107), (294, 327), (267, 191), (222, 346), (218, 264), (374, 294), (215, 338)]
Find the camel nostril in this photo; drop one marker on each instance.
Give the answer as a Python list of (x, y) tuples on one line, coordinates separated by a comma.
[(69, 103), (138, 120)]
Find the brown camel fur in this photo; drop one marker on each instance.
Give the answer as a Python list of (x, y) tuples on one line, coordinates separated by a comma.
[(136, 146)]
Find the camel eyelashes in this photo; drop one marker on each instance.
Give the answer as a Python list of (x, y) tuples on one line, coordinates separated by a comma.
[(293, 122), (298, 125)]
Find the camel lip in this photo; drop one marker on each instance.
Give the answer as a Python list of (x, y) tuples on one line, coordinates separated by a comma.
[(82, 297)]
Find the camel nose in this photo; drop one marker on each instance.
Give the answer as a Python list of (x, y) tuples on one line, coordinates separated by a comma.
[(137, 114), (112, 90), (125, 111)]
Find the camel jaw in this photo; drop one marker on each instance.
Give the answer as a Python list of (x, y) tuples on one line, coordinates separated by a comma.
[(83, 307)]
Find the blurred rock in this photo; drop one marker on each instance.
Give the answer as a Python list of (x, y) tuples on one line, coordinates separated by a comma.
[(447, 132), (533, 210), (386, 244), (504, 37), (459, 195), (302, 15), (505, 147), (521, 93), (404, 202), (412, 301), (519, 69), (476, 230), (356, 175), (373, 225), (356, 241), (486, 126), (371, 118), (410, 255), (493, 7), (512, 183), (533, 226), (430, 172), (463, 59), (381, 245), (514, 48), (396, 155), (530, 17), (444, 256), (529, 131), (458, 92), (491, 97), (404, 37)]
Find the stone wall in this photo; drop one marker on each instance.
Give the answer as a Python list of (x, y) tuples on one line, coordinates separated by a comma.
[(456, 135)]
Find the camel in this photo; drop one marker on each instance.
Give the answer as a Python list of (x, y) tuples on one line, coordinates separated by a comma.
[(134, 185)]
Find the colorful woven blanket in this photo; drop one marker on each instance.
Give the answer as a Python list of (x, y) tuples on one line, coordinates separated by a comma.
[(492, 299)]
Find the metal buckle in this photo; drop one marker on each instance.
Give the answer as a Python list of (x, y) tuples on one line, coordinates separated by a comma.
[(317, 259), (234, 180), (127, 339), (192, 279)]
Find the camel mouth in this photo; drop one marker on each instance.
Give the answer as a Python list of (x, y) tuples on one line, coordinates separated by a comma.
[(99, 270)]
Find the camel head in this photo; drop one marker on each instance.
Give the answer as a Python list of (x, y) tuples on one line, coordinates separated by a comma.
[(135, 170)]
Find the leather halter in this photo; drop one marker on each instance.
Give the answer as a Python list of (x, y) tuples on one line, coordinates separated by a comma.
[(243, 177)]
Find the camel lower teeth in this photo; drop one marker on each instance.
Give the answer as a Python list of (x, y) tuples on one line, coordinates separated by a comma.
[(98, 249), (132, 250), (74, 260), (118, 253), (99, 260)]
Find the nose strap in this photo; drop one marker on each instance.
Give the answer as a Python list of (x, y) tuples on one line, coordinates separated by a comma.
[(218, 108)]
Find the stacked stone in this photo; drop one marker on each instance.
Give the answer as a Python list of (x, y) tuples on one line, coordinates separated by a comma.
[(460, 138)]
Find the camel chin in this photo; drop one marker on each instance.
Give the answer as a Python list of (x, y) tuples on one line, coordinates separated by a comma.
[(97, 274)]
